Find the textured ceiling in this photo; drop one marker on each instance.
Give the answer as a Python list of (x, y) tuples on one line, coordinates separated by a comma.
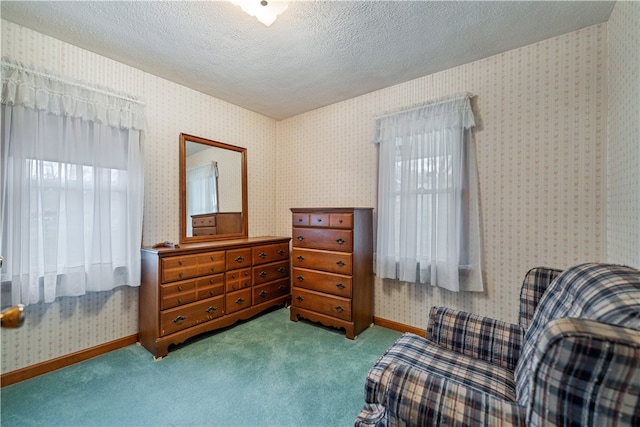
[(315, 54)]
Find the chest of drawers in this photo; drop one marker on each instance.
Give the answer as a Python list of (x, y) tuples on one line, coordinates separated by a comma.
[(332, 267), (200, 287)]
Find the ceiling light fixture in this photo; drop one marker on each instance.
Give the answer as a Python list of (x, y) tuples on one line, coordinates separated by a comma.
[(264, 11)]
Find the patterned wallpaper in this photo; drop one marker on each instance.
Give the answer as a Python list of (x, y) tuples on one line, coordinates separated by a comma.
[(623, 196), (73, 324), (541, 150), (540, 141)]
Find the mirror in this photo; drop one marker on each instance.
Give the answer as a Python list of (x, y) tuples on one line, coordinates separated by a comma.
[(213, 190)]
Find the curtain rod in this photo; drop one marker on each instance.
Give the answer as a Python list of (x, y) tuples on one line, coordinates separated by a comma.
[(425, 104), (76, 83)]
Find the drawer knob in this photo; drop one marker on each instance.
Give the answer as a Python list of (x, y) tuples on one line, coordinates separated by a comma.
[(262, 254), (179, 300), (263, 294), (180, 262), (180, 275), (340, 264), (179, 288), (339, 308), (299, 298), (211, 281), (246, 274), (281, 252), (300, 278), (213, 258), (300, 238), (211, 309), (239, 301), (239, 259), (178, 320), (211, 293), (282, 270), (300, 258), (340, 241), (282, 287), (340, 286), (262, 274)]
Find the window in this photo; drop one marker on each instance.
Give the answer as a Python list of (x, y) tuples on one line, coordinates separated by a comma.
[(428, 222), (72, 187)]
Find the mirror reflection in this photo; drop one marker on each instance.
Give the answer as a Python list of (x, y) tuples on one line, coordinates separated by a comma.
[(213, 189)]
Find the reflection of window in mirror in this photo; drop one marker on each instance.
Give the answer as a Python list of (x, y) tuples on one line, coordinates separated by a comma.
[(202, 179)]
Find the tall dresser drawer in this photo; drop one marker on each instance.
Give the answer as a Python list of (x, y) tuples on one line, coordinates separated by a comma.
[(322, 303), (185, 316), (334, 262), (332, 240), (321, 281)]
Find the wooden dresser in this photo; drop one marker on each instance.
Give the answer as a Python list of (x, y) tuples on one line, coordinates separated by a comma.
[(332, 259), (200, 287)]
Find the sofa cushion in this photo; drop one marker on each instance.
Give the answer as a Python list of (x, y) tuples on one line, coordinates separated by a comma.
[(420, 353), (602, 292)]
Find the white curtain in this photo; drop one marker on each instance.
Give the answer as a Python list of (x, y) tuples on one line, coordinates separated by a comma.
[(428, 220), (72, 186), (203, 181)]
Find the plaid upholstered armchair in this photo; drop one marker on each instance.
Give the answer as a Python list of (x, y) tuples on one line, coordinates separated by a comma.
[(572, 359)]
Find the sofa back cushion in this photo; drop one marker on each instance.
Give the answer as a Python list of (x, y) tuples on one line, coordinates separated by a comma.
[(601, 292), (535, 283)]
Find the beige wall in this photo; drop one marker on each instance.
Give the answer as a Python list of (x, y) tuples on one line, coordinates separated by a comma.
[(72, 324), (541, 145), (540, 141), (623, 196)]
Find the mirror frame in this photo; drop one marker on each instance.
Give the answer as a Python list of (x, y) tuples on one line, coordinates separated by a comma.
[(184, 138)]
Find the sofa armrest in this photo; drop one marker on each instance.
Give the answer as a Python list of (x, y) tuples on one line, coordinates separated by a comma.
[(476, 336), (534, 285), (415, 397), (585, 372)]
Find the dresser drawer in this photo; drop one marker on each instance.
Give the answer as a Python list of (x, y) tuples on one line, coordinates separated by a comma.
[(176, 294), (204, 221), (237, 279), (333, 262), (238, 300), (322, 303), (270, 291), (330, 239), (341, 220), (209, 286), (270, 253), (211, 262), (321, 281), (268, 272), (179, 268), (205, 231), (185, 316), (239, 258)]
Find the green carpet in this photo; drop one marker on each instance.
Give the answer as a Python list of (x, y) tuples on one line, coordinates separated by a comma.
[(268, 371)]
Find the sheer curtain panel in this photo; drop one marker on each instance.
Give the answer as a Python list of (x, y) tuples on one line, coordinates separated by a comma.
[(428, 220), (72, 186)]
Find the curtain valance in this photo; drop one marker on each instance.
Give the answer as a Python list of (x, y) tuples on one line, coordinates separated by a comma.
[(44, 90), (445, 113)]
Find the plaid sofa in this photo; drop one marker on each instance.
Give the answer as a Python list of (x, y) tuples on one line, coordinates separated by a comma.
[(573, 359)]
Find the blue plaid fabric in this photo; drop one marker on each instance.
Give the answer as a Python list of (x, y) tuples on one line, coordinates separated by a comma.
[(577, 365)]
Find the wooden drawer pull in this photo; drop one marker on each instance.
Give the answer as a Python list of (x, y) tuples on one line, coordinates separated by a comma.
[(239, 259), (262, 254), (300, 258), (213, 258), (340, 264), (211, 309), (340, 286), (340, 241), (180, 262), (239, 300), (178, 320), (299, 298), (263, 294), (300, 278), (262, 274), (300, 238), (339, 308), (179, 300), (180, 275), (179, 288)]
